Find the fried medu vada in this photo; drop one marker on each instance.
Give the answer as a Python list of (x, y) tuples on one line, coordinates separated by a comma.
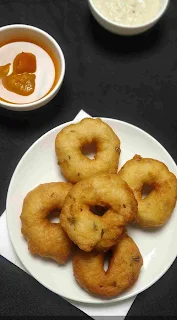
[(45, 238), (123, 269), (70, 141), (156, 208), (88, 230)]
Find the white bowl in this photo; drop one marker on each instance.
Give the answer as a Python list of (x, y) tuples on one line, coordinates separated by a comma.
[(17, 32), (123, 29)]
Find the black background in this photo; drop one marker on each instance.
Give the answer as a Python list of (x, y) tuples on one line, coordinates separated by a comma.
[(133, 79)]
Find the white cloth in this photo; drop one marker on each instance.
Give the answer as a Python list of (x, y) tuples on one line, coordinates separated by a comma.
[(104, 311)]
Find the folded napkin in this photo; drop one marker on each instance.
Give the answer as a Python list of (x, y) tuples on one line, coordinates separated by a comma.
[(104, 311)]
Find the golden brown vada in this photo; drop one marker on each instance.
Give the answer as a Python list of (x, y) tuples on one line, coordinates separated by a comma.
[(157, 207), (70, 141), (88, 230), (45, 238), (123, 269)]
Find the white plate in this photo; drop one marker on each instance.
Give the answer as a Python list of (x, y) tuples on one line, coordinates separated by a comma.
[(39, 165)]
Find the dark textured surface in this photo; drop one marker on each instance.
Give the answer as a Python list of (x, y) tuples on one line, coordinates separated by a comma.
[(22, 295), (131, 79)]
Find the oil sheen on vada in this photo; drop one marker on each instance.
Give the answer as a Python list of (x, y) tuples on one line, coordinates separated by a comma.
[(70, 141)]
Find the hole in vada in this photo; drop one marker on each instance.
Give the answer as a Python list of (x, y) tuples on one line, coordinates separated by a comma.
[(89, 150), (146, 190), (98, 210), (107, 259), (53, 216)]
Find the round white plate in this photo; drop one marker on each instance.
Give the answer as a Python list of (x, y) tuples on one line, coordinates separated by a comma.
[(39, 165)]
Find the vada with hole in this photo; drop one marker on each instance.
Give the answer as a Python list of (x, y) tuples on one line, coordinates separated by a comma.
[(45, 238), (69, 142), (88, 230), (157, 207), (123, 270)]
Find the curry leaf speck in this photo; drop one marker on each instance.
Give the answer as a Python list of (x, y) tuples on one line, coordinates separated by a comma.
[(95, 226), (71, 220), (136, 259)]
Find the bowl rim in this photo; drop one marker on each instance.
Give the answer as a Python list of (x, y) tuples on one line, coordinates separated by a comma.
[(128, 26), (36, 104)]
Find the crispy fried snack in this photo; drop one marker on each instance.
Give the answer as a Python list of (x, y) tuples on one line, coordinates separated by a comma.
[(157, 207), (45, 238), (88, 230), (123, 270), (69, 142)]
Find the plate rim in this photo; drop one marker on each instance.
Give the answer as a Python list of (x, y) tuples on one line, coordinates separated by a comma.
[(96, 302)]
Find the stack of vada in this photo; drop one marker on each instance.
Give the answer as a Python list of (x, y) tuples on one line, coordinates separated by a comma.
[(95, 205)]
